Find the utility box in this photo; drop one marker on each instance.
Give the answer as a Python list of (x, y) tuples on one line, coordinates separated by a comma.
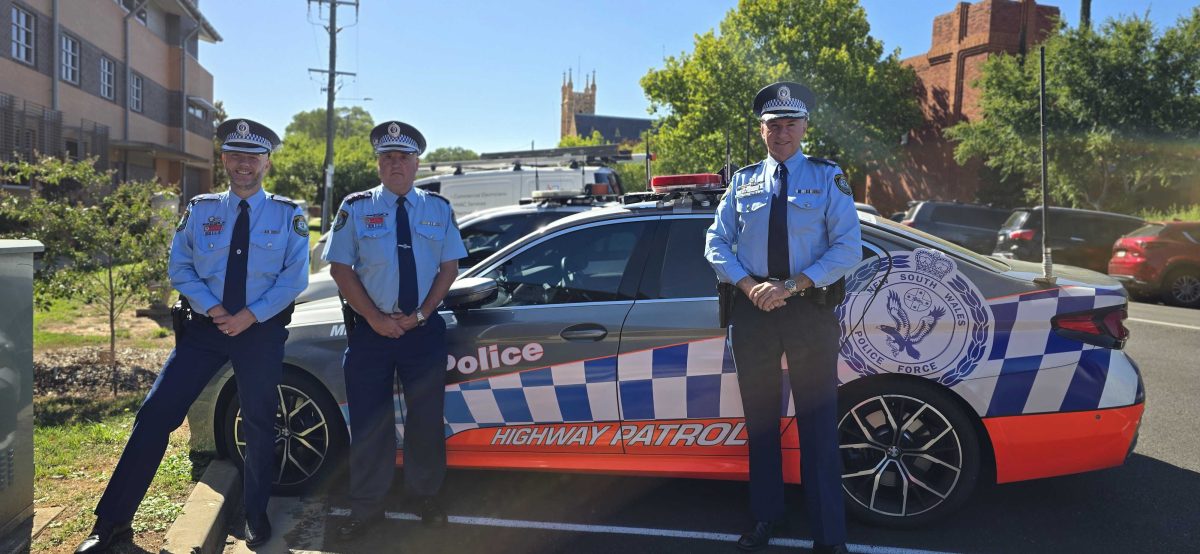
[(16, 384)]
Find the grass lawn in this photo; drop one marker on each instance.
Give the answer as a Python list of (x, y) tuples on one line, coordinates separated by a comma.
[(77, 441), (70, 323)]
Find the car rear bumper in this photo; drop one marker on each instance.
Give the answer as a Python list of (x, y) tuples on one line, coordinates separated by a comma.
[(1047, 445)]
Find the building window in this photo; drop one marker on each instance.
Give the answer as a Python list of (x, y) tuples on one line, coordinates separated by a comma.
[(128, 6), (72, 148), (23, 26), (70, 60), (198, 113), (135, 93), (108, 78)]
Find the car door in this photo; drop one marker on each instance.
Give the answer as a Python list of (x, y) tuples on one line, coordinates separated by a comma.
[(534, 370)]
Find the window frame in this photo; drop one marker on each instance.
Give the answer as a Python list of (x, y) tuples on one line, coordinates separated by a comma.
[(68, 60), (108, 78), (136, 89), (24, 51)]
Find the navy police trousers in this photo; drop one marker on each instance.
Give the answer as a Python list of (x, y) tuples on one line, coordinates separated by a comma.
[(257, 355), (371, 365), (809, 334)]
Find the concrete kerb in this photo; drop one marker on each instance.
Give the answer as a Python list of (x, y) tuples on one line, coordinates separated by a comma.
[(201, 528)]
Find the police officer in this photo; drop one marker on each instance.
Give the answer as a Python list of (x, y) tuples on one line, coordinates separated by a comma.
[(239, 258), (394, 252), (785, 234)]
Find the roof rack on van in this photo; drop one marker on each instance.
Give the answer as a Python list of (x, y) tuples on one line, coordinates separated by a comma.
[(567, 198), (552, 157)]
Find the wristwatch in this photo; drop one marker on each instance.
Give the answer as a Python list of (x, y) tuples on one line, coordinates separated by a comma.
[(420, 318), (790, 285)]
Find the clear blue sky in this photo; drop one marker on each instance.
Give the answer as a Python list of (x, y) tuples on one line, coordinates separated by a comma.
[(486, 75)]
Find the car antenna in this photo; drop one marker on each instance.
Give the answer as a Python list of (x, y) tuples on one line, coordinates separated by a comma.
[(1047, 277), (728, 158), (537, 184)]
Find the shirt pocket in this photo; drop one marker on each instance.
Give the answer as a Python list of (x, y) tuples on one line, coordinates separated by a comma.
[(376, 247), (806, 201), (751, 209), (267, 253), (211, 255)]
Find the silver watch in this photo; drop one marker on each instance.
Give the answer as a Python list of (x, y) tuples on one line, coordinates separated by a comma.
[(790, 285), (420, 318)]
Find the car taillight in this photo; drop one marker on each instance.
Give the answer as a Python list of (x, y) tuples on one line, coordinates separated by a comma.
[(1102, 327), (1022, 234)]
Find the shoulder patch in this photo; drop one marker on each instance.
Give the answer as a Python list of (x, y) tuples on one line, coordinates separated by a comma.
[(822, 161), (204, 198), (352, 198), (842, 185), (187, 212), (300, 225), (284, 200), (340, 222)]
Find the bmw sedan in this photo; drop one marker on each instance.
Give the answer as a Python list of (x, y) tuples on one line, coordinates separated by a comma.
[(593, 345)]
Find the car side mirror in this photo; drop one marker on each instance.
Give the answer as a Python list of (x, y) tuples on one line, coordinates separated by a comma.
[(470, 292)]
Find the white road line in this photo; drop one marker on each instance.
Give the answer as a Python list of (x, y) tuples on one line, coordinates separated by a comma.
[(1180, 325), (637, 531)]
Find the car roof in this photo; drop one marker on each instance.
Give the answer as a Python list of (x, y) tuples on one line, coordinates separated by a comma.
[(1081, 212), (961, 204)]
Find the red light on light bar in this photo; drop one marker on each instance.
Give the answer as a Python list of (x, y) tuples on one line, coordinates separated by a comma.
[(695, 181)]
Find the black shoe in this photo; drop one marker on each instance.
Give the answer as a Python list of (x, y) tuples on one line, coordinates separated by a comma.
[(258, 532), (826, 549), (103, 536), (357, 526), (432, 513), (757, 538)]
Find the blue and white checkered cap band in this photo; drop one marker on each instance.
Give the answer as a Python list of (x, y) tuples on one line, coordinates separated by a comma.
[(246, 142), (402, 143), (791, 107)]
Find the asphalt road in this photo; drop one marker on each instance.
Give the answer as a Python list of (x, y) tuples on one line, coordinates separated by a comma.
[(1149, 504)]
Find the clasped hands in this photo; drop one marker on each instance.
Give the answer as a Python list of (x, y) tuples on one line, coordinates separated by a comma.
[(769, 295), (393, 325), (232, 325)]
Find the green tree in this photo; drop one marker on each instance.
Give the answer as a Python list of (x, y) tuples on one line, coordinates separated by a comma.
[(449, 154), (865, 101), (220, 178), (571, 141), (351, 121), (296, 168), (105, 243), (1122, 115)]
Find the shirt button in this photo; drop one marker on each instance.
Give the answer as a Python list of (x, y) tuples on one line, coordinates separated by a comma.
[(268, 245), (239, 251), (807, 205), (210, 245)]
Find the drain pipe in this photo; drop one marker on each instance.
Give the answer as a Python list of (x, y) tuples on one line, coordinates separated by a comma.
[(56, 72), (1047, 277), (183, 110)]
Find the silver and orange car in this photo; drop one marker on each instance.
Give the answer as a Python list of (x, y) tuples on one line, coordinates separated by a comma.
[(593, 345)]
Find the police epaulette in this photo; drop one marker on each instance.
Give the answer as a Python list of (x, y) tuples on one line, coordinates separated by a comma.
[(823, 161), (436, 195), (284, 200), (355, 197), (751, 166), (204, 198)]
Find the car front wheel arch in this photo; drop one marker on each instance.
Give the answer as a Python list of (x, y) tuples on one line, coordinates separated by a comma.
[(912, 450), (311, 437)]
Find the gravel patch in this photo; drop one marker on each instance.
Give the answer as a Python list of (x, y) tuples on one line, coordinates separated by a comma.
[(87, 370)]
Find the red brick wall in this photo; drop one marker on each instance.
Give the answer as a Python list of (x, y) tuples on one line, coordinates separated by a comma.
[(962, 41)]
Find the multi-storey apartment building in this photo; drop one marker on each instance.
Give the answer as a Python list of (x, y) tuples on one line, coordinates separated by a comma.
[(116, 79)]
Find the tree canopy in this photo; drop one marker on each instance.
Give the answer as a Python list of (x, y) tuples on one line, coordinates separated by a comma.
[(571, 141), (449, 154), (296, 168), (1122, 115), (350, 122), (865, 100)]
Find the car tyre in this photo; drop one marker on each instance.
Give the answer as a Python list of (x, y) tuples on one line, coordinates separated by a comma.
[(310, 440), (1182, 288), (910, 453)]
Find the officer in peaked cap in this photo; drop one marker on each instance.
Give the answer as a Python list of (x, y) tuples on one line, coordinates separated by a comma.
[(785, 234), (239, 258), (394, 252)]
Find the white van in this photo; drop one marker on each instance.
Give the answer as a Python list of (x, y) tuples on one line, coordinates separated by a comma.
[(480, 190)]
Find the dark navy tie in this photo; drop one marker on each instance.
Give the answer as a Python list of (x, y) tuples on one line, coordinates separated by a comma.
[(777, 238), (408, 264), (234, 297)]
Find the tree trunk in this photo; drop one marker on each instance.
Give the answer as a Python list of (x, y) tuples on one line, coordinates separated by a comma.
[(112, 329), (1085, 14)]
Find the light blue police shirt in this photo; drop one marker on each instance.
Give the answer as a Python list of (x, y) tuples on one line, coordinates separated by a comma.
[(364, 237), (277, 266), (824, 239)]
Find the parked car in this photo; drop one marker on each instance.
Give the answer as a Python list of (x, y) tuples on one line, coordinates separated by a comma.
[(867, 208), (483, 232), (593, 345), (1081, 238), (1160, 259), (969, 225)]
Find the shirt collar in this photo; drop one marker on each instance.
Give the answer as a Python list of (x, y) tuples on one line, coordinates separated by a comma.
[(793, 165), (255, 201), (389, 198)]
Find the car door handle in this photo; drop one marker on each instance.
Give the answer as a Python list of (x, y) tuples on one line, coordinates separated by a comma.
[(584, 332)]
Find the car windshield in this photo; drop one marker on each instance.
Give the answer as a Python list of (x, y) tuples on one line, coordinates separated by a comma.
[(1151, 230), (920, 236), (1015, 220)]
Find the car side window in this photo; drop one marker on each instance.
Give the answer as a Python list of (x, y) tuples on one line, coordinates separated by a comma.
[(685, 273), (583, 265)]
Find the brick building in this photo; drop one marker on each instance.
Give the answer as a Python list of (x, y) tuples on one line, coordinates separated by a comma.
[(116, 79), (962, 41)]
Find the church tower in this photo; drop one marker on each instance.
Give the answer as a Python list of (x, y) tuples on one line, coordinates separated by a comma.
[(576, 102)]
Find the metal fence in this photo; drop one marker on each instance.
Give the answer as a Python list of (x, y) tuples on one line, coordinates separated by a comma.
[(28, 129)]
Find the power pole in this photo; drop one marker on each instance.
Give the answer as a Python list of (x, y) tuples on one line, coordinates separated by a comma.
[(324, 191)]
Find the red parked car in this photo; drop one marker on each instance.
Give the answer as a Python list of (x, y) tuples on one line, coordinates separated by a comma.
[(1160, 259)]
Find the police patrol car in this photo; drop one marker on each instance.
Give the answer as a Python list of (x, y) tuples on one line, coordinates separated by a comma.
[(593, 345)]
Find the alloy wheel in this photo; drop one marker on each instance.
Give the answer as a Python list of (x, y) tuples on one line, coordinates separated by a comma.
[(302, 436)]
